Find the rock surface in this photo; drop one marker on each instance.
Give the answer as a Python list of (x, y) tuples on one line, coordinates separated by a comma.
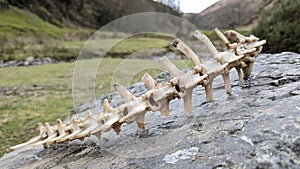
[(258, 126)]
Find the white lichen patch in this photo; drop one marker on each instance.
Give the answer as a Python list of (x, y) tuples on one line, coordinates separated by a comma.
[(188, 153)]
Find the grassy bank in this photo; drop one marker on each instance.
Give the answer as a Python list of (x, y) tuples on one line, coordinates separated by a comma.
[(69, 50), (15, 21)]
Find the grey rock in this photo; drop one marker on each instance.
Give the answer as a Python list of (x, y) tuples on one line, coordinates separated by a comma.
[(26, 63), (296, 146), (20, 63), (36, 62), (258, 126), (8, 63), (47, 60), (29, 59), (11, 62)]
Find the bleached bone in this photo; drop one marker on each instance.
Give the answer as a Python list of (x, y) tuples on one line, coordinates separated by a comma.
[(160, 95), (126, 95), (159, 98), (109, 118), (107, 108), (89, 124), (177, 43), (238, 65), (222, 37), (170, 67), (241, 54), (215, 66), (38, 138), (250, 47), (184, 83), (83, 128), (74, 129), (150, 82), (234, 36), (202, 37), (50, 132), (61, 130), (134, 111)]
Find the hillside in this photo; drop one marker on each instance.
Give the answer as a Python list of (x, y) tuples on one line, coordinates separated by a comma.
[(231, 14), (55, 17), (280, 26), (91, 14), (58, 29)]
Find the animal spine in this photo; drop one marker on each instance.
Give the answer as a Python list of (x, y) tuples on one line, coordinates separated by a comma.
[(240, 54)]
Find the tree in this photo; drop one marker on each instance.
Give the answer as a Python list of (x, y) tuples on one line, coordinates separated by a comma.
[(280, 26)]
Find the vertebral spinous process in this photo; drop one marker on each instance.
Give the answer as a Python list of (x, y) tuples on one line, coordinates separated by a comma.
[(240, 54)]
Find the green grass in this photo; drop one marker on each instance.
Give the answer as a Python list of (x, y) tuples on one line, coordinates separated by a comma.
[(22, 108), (24, 34), (19, 22), (66, 50), (211, 34), (43, 93), (135, 44)]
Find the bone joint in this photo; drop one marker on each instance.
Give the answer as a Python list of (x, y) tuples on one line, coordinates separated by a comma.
[(240, 54)]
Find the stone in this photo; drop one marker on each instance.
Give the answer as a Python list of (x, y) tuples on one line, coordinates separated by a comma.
[(257, 126), (47, 60), (26, 63), (29, 59), (20, 63)]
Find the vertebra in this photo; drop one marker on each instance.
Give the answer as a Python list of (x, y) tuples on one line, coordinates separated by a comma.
[(240, 54)]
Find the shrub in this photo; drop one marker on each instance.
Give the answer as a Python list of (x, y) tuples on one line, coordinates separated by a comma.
[(280, 26)]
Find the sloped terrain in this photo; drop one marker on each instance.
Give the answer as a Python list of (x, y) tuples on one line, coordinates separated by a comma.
[(256, 127), (37, 28), (231, 14), (87, 14), (33, 21)]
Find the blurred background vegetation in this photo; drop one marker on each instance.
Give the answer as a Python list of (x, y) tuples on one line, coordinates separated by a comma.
[(57, 30), (280, 26)]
